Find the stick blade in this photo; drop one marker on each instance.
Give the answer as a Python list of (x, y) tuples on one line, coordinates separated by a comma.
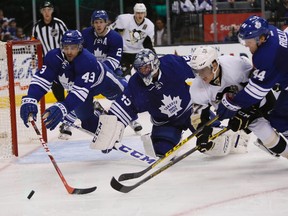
[(83, 190), (120, 187)]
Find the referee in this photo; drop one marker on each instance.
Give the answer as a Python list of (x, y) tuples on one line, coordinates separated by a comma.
[(49, 30)]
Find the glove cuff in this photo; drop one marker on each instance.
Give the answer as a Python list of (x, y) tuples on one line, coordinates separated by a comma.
[(27, 99), (62, 107), (227, 103)]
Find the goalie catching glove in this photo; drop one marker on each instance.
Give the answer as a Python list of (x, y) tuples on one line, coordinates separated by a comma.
[(108, 132)]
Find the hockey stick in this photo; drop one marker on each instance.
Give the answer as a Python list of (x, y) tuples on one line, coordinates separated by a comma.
[(123, 148), (127, 176), (125, 189), (70, 189)]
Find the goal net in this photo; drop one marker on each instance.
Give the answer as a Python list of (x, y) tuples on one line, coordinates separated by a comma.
[(19, 60)]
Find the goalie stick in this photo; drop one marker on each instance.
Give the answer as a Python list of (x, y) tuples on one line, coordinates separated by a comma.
[(125, 189), (70, 190), (127, 176), (123, 148)]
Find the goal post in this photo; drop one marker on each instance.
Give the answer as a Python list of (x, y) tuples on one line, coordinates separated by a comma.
[(19, 60)]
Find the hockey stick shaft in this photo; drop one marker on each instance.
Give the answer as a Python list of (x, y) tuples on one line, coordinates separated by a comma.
[(125, 189), (69, 189), (135, 154), (127, 176)]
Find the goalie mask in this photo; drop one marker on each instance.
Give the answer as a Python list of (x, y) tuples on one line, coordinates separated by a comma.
[(146, 65), (202, 61)]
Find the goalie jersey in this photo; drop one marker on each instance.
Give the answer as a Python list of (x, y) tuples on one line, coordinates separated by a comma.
[(133, 34), (83, 77), (107, 49), (167, 100)]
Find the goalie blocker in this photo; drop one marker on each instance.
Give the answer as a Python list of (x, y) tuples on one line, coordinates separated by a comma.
[(108, 132)]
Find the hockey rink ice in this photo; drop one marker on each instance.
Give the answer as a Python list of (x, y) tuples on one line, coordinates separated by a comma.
[(248, 184)]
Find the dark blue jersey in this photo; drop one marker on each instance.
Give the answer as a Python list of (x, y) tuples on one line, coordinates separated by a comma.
[(81, 77), (167, 100), (107, 49), (271, 63)]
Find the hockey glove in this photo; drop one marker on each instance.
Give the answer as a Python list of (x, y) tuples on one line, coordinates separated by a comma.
[(203, 139), (54, 114), (28, 107), (242, 119), (227, 109)]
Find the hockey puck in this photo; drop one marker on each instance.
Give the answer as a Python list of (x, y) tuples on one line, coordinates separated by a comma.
[(31, 194)]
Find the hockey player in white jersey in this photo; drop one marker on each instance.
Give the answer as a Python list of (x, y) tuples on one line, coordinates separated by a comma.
[(137, 32), (216, 76)]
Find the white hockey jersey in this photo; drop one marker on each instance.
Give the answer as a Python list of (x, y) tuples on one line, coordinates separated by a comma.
[(235, 71), (133, 34)]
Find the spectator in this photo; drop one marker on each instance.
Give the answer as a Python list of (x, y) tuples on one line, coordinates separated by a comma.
[(20, 35), (232, 34), (5, 34), (161, 35), (282, 12), (205, 5), (12, 27)]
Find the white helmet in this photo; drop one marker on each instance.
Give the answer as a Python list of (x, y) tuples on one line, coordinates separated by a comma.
[(140, 8), (204, 57)]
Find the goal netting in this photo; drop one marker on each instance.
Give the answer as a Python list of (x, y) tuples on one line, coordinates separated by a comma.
[(19, 60)]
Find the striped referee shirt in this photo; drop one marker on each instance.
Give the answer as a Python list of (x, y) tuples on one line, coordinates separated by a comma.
[(49, 34)]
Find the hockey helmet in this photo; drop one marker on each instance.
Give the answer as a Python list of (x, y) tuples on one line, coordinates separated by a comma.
[(253, 27), (99, 14), (139, 8), (72, 37), (146, 65)]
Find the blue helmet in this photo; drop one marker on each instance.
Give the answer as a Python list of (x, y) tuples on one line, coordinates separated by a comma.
[(72, 37), (253, 27), (146, 65), (99, 14)]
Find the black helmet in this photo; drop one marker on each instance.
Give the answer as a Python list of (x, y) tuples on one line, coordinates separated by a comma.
[(46, 4)]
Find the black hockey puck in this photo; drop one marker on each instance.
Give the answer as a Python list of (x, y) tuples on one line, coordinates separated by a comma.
[(31, 194)]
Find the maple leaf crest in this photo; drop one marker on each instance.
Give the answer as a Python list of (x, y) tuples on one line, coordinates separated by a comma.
[(171, 106), (65, 82), (99, 55)]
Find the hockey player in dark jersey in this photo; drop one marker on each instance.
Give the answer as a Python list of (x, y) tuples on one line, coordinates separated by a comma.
[(81, 74), (160, 87), (269, 46), (107, 45)]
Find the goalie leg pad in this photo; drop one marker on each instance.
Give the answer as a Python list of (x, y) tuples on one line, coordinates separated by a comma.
[(108, 132), (239, 141), (222, 144)]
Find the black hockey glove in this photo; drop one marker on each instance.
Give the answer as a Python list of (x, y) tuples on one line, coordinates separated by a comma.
[(203, 138), (243, 118)]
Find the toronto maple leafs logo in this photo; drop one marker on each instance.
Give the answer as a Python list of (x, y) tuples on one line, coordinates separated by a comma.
[(65, 82), (99, 55), (171, 106)]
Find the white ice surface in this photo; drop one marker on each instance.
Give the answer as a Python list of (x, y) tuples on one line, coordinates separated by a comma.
[(240, 184)]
